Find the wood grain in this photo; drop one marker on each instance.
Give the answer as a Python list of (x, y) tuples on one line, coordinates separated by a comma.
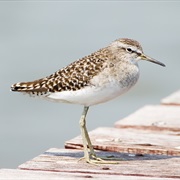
[(130, 140), (16, 174), (173, 99), (153, 117), (65, 160)]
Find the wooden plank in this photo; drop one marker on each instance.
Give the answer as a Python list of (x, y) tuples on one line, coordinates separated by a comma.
[(131, 140), (154, 117), (7, 174), (65, 160), (173, 99)]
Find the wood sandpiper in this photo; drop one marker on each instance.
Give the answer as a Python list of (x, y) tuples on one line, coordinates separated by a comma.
[(93, 79)]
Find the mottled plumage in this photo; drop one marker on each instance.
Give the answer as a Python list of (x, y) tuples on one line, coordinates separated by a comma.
[(77, 75), (71, 78)]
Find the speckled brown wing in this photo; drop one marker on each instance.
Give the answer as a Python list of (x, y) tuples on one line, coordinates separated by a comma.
[(71, 78)]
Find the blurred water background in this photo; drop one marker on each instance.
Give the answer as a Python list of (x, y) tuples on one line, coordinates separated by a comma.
[(38, 38)]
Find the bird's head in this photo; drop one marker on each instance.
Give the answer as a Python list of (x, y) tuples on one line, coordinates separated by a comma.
[(131, 51)]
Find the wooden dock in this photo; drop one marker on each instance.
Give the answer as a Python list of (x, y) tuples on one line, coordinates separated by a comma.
[(146, 144)]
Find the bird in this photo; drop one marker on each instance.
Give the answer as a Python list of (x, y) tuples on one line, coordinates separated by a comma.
[(96, 78)]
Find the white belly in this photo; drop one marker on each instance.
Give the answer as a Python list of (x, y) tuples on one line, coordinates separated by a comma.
[(89, 95)]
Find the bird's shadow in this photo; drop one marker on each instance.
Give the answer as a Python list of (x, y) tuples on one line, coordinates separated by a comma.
[(113, 155)]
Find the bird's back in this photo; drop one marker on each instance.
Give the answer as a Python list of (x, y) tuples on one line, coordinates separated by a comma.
[(71, 78)]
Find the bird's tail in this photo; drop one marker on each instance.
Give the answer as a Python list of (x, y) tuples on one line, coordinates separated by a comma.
[(37, 87)]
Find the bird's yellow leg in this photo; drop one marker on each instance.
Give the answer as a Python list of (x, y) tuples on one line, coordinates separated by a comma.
[(90, 157), (82, 127)]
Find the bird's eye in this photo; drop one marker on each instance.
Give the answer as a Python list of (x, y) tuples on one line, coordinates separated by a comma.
[(129, 50)]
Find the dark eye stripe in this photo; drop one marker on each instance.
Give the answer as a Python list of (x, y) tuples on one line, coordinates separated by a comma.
[(132, 51)]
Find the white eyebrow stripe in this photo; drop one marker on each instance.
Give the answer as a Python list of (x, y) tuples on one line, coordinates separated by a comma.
[(125, 46), (120, 44)]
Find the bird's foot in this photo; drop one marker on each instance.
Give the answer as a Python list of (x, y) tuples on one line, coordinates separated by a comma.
[(103, 160), (93, 159)]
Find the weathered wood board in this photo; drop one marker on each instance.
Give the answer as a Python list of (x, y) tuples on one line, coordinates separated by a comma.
[(16, 174), (130, 140), (154, 117), (65, 160), (173, 99)]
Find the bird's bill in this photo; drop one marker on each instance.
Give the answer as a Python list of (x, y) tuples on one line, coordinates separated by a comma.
[(147, 58)]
